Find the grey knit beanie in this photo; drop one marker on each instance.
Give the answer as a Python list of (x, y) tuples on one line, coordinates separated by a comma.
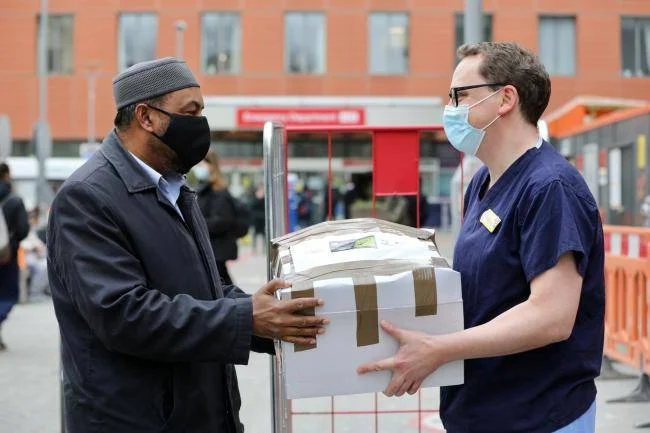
[(147, 80)]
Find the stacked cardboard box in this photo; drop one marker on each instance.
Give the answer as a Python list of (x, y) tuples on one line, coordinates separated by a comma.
[(366, 270)]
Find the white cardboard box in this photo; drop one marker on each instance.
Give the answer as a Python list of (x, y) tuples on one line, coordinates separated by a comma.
[(366, 271)]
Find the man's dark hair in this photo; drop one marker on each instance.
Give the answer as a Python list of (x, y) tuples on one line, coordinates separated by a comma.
[(509, 63), (125, 115), (4, 170)]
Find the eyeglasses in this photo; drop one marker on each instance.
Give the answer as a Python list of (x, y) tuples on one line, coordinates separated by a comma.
[(453, 92)]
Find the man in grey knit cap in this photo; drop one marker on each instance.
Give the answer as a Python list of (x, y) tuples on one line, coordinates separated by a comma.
[(149, 334)]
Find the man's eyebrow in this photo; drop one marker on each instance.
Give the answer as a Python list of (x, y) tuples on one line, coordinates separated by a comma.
[(193, 104)]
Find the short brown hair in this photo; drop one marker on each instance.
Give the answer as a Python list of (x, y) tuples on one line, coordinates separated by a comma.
[(509, 63)]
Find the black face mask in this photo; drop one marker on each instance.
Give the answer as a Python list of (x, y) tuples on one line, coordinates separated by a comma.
[(188, 136)]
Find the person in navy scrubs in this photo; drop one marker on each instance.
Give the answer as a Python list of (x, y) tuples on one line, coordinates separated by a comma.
[(531, 258)]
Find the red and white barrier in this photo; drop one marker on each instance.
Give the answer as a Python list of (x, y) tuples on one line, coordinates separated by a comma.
[(628, 245)]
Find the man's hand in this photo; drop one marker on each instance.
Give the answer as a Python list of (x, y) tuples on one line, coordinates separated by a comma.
[(279, 319), (416, 359)]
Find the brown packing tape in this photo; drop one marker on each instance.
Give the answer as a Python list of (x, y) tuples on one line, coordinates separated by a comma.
[(303, 291), (426, 292), (365, 295)]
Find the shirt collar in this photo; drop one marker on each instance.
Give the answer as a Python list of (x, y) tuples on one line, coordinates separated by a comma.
[(170, 185), (151, 173)]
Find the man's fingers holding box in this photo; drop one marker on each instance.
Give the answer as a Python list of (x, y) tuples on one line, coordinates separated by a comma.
[(302, 332), (299, 340), (300, 304)]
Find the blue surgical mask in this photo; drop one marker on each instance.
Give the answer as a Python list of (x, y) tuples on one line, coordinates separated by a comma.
[(201, 172), (460, 133)]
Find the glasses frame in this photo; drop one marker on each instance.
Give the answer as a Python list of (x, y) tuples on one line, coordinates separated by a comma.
[(453, 92)]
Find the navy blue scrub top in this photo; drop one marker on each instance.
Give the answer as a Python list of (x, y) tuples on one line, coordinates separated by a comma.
[(546, 210)]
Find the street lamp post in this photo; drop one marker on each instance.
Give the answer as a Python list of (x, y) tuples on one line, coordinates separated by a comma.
[(180, 26), (92, 74), (43, 138), (92, 79), (473, 21)]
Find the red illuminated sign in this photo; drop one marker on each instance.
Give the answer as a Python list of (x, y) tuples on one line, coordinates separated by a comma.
[(255, 117)]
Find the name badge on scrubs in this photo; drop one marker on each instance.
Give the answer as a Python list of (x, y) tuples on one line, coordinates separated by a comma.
[(490, 220)]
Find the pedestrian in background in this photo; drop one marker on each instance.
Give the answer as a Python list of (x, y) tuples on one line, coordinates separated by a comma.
[(258, 211), (305, 207), (645, 211), (220, 211), (35, 258), (16, 228)]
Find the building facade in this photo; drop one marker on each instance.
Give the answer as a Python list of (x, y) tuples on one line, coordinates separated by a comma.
[(306, 62)]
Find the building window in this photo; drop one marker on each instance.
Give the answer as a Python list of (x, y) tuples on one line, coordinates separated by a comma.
[(304, 43), (557, 44), (137, 40), (388, 34), (460, 29), (220, 43), (65, 149), (635, 47), (22, 148), (60, 50)]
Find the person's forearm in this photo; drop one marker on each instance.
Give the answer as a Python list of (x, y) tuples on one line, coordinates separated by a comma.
[(524, 327)]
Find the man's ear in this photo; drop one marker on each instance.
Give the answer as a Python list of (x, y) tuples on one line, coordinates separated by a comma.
[(510, 100), (144, 118)]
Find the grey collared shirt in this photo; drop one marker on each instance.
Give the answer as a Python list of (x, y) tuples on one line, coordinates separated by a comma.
[(169, 186)]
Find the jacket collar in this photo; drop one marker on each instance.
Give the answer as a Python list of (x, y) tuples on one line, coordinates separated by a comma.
[(134, 177)]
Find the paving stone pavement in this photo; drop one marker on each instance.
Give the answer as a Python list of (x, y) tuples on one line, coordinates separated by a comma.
[(29, 392)]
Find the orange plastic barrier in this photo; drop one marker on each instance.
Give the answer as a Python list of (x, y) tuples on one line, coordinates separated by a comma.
[(627, 279)]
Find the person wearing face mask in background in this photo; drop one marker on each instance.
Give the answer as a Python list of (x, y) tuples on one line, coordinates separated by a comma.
[(531, 259), (149, 334), (218, 208)]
